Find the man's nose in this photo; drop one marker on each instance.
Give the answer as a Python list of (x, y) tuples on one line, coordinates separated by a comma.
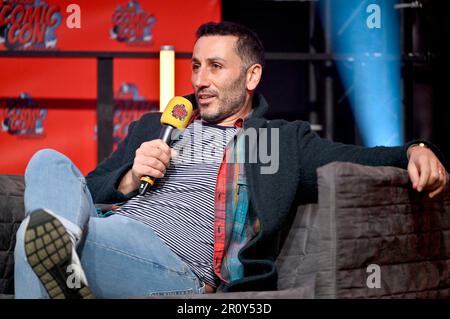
[(201, 78)]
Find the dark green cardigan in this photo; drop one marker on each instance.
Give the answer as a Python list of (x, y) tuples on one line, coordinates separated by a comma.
[(273, 197)]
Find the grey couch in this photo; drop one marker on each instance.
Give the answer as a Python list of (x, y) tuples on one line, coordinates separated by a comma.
[(365, 217)]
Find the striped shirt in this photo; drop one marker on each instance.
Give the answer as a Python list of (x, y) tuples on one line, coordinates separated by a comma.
[(180, 206)]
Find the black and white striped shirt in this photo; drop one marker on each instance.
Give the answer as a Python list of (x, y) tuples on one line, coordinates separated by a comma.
[(180, 206)]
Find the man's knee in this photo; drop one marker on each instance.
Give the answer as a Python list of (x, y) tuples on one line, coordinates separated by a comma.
[(45, 157)]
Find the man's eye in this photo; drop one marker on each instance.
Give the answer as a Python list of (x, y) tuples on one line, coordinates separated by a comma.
[(216, 66), (195, 66)]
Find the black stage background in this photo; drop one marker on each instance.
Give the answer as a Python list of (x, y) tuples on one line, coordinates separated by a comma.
[(296, 69)]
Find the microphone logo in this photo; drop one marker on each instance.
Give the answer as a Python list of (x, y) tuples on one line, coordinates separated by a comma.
[(179, 112)]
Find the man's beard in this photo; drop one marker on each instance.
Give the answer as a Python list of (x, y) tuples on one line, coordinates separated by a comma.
[(230, 101)]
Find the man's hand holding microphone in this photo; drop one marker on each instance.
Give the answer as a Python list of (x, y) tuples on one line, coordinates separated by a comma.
[(153, 157)]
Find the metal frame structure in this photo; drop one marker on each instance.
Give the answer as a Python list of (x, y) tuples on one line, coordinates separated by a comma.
[(105, 94)]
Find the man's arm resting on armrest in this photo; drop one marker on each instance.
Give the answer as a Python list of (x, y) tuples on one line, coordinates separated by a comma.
[(423, 164)]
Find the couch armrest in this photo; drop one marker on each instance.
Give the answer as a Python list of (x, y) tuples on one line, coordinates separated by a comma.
[(371, 215)]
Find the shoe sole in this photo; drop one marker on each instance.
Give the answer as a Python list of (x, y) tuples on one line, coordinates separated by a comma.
[(49, 252)]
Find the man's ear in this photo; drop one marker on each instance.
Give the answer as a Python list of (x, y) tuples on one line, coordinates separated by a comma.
[(253, 76)]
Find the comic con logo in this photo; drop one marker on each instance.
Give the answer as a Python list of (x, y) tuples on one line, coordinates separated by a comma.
[(28, 24), (132, 25), (179, 112), (129, 106), (23, 116)]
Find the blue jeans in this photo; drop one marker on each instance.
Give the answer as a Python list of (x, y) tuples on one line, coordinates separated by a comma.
[(121, 257)]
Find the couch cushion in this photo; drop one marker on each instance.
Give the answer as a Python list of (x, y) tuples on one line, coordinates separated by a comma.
[(371, 215), (11, 214), (297, 262)]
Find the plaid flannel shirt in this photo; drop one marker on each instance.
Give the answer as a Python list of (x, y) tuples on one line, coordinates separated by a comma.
[(234, 227)]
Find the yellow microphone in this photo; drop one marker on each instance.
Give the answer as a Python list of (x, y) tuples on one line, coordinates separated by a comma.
[(176, 115)]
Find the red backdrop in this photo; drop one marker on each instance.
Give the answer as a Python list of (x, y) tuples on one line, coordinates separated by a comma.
[(51, 102)]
